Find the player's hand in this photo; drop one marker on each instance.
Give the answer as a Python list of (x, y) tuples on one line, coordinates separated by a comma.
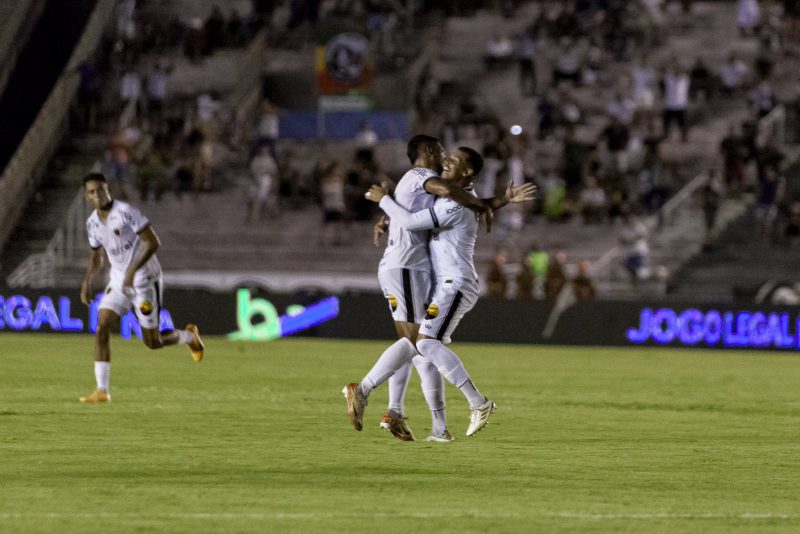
[(127, 283), (86, 292), (378, 230), (377, 192), (526, 191)]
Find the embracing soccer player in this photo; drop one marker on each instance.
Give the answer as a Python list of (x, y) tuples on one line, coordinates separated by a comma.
[(130, 244)]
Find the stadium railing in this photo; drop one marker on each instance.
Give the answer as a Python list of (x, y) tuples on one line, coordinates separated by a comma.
[(21, 176), (41, 269)]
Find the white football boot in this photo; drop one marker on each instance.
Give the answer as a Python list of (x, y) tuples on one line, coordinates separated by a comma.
[(444, 437), (480, 416)]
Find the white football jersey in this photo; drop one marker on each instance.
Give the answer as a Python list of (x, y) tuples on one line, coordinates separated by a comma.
[(408, 249), (119, 236), (455, 232)]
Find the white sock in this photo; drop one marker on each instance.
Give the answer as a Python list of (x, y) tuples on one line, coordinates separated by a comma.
[(398, 384), (433, 391), (184, 337), (392, 359), (451, 368), (101, 372)]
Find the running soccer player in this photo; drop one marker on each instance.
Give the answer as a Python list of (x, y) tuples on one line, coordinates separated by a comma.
[(404, 274), (456, 288), (135, 279)]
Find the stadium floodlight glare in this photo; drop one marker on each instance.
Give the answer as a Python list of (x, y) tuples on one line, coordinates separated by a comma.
[(516, 129)]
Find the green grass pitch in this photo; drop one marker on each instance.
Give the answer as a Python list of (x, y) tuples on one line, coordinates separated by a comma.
[(255, 439)]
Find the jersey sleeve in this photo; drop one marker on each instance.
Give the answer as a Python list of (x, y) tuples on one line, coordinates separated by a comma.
[(419, 220), (90, 233), (135, 219)]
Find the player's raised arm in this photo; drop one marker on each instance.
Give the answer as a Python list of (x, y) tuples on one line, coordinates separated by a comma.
[(525, 192), (439, 216)]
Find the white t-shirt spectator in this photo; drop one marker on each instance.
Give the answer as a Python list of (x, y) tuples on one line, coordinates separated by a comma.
[(676, 92)]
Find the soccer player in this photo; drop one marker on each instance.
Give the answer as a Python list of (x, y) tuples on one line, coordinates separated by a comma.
[(130, 244), (405, 279), (456, 288)]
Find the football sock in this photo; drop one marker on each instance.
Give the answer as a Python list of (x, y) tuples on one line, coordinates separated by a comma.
[(392, 359), (398, 384), (184, 337), (451, 368), (101, 373), (433, 391)]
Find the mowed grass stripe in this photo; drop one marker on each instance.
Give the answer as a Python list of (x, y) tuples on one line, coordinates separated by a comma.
[(255, 438)]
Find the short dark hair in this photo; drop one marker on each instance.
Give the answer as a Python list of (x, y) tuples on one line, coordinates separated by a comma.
[(474, 160), (94, 177), (417, 143)]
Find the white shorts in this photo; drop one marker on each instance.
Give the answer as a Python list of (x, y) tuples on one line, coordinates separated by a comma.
[(407, 292), (145, 299), (452, 298)]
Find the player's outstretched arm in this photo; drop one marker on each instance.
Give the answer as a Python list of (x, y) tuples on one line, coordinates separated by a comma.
[(94, 264), (420, 220), (523, 193)]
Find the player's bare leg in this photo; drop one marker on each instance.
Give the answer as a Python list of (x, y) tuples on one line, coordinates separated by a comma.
[(106, 320), (154, 339)]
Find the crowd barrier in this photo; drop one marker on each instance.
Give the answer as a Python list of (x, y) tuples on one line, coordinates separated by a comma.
[(253, 314)]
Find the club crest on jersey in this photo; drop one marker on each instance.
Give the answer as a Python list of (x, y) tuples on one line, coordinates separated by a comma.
[(146, 307), (117, 232), (392, 302), (432, 312)]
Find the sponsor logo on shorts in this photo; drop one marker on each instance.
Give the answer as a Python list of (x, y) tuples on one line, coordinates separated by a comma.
[(428, 326), (392, 302), (432, 312), (146, 307)]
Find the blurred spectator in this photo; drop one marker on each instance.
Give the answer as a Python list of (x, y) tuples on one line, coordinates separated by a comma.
[(701, 82), (268, 128), (553, 196), (366, 140), (151, 175), (118, 151), (525, 279), (569, 63), (526, 60), (332, 193), (538, 261), (130, 90), (633, 238), (617, 136), (712, 199), (621, 108), (593, 203), (194, 41), (499, 51), (582, 285), (496, 282), (734, 155), (264, 175), (762, 99), (215, 30), (676, 100), (733, 75), (556, 278), (770, 195), (156, 89), (88, 95), (748, 16)]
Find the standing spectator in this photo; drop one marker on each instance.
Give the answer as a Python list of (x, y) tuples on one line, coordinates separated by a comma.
[(569, 63), (130, 90), (264, 175), (617, 136), (526, 60), (332, 195), (194, 41), (733, 75), (496, 281), (593, 202), (268, 128), (499, 51), (762, 99), (633, 238), (582, 285), (156, 90), (366, 140), (644, 86), (214, 30), (525, 279), (770, 195), (700, 80), (734, 156), (676, 100), (748, 16), (556, 278), (712, 198)]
